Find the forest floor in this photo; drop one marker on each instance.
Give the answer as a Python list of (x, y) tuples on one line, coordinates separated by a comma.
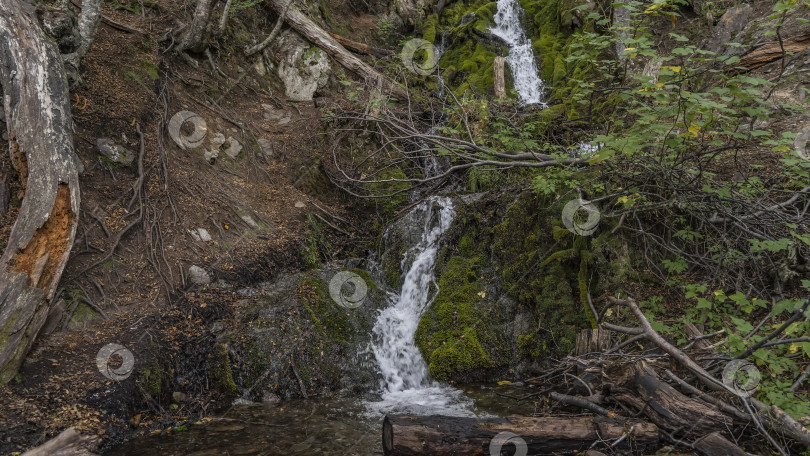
[(257, 209)]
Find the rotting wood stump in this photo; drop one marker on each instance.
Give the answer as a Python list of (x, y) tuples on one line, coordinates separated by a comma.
[(405, 435), (40, 132)]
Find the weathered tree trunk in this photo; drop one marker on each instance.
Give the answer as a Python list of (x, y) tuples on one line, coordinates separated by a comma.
[(195, 39), (40, 134), (88, 26), (443, 435), (588, 340), (500, 83), (319, 37), (68, 443)]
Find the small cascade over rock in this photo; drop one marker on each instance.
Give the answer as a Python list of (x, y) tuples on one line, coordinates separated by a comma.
[(520, 59), (406, 385)]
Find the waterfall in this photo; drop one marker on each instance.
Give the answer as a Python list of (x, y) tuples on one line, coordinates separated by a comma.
[(406, 385), (520, 59)]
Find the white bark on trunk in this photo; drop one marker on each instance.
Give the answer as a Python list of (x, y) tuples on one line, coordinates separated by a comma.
[(88, 26), (194, 39)]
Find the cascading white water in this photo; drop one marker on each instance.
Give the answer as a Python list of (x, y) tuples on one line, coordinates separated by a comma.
[(520, 59), (406, 386)]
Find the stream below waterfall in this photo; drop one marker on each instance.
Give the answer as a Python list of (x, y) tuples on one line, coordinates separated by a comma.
[(351, 425)]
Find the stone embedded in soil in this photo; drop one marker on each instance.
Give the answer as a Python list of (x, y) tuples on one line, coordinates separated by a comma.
[(233, 148), (201, 234), (198, 276), (270, 398), (116, 153), (279, 116), (266, 146), (249, 220)]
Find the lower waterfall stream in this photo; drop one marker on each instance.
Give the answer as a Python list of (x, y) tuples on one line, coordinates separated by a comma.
[(349, 426), (406, 387)]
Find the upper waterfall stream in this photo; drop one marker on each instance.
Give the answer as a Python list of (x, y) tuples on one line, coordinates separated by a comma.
[(521, 60)]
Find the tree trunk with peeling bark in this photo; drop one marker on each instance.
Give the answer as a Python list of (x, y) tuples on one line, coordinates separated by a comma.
[(321, 38), (195, 39), (88, 26), (37, 106)]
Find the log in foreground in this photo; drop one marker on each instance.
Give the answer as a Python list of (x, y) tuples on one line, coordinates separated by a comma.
[(68, 443), (405, 435), (40, 132)]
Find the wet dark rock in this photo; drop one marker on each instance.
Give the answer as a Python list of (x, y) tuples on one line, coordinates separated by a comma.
[(115, 152), (731, 23)]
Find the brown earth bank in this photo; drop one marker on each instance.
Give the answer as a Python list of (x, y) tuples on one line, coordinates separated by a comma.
[(129, 283)]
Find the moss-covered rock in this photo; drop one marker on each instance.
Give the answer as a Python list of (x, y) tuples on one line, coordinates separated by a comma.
[(513, 287), (220, 372)]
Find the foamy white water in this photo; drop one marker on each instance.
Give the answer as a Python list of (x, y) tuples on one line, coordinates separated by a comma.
[(521, 58), (406, 385)]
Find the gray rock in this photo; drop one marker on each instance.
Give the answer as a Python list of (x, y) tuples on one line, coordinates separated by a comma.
[(198, 276), (201, 234), (279, 116), (266, 146), (270, 398), (302, 67), (116, 153), (249, 220), (233, 148), (802, 141), (261, 70), (732, 22)]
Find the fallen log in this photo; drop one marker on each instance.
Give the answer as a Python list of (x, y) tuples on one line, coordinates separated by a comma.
[(319, 37), (773, 416), (360, 48), (405, 435), (40, 135), (771, 52), (68, 443), (715, 444)]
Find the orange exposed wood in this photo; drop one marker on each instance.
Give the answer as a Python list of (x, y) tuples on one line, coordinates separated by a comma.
[(51, 239)]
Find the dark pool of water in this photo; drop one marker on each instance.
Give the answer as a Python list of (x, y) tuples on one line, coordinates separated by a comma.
[(335, 426)]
